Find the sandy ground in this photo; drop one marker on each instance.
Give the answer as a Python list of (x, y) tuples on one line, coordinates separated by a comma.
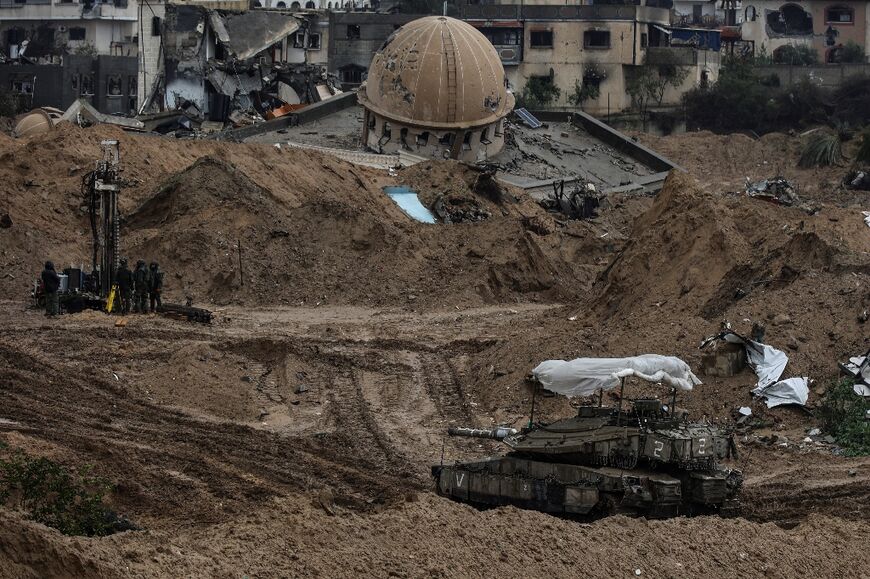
[(293, 436)]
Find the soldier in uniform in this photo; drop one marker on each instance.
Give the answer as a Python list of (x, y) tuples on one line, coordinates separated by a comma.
[(155, 286), (140, 284), (50, 285), (125, 286)]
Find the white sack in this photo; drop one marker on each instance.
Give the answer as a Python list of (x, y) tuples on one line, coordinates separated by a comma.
[(585, 376), (791, 391)]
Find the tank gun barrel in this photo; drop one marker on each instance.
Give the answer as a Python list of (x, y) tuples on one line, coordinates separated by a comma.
[(498, 433)]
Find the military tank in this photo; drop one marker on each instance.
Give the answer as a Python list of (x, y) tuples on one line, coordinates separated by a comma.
[(645, 459)]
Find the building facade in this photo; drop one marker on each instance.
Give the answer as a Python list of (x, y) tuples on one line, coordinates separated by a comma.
[(594, 46), (825, 26)]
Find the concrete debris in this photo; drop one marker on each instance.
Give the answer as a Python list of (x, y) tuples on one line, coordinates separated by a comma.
[(581, 203), (239, 68), (83, 113), (857, 180), (858, 368), (866, 215)]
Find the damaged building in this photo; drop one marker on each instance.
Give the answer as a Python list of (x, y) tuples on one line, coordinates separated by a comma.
[(52, 53), (239, 66), (437, 89), (825, 26), (590, 52)]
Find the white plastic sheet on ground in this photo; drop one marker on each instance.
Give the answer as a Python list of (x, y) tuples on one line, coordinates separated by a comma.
[(791, 391), (585, 376), (768, 362)]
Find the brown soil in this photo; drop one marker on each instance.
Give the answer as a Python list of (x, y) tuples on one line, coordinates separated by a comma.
[(296, 440)]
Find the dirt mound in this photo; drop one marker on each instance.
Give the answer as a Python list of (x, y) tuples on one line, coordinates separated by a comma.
[(312, 229)]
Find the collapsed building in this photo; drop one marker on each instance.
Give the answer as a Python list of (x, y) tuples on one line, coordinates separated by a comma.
[(436, 88), (238, 66)]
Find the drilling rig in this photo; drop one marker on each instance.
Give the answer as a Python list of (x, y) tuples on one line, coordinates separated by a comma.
[(102, 186)]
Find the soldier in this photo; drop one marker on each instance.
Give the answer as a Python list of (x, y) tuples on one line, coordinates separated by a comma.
[(155, 286), (140, 283), (125, 286), (50, 285)]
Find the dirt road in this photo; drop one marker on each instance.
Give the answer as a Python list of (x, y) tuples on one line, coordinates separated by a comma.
[(297, 442)]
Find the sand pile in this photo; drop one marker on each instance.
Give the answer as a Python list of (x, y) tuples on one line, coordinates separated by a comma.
[(312, 229)]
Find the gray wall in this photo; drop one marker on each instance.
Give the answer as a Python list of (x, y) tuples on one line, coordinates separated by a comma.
[(827, 75)]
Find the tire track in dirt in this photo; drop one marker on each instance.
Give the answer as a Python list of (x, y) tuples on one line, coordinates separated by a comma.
[(139, 442)]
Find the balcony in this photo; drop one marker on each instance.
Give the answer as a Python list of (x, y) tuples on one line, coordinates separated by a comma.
[(510, 54)]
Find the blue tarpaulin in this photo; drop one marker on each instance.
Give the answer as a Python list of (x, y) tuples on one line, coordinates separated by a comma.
[(700, 38), (408, 202)]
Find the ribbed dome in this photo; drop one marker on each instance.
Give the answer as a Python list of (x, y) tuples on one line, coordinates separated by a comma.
[(437, 72)]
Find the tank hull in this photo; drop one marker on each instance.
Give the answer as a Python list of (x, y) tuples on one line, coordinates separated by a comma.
[(571, 489)]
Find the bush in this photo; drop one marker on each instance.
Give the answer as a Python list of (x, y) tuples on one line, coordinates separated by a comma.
[(71, 502), (862, 155), (843, 415), (538, 92), (799, 55), (851, 100), (822, 149), (851, 52)]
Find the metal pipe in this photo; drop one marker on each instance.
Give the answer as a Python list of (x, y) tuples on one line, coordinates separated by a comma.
[(498, 433)]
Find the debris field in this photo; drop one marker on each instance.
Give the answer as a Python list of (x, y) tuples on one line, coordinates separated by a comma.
[(294, 435)]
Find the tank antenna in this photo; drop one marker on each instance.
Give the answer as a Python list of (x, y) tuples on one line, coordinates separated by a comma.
[(673, 401), (534, 391), (619, 411)]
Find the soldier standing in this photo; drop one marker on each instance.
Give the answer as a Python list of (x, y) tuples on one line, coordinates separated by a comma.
[(155, 286), (125, 286), (50, 285), (140, 283)]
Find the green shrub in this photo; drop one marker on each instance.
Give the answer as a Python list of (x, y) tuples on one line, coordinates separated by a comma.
[(851, 52), (69, 501), (843, 415), (798, 55), (822, 149), (539, 91), (862, 155)]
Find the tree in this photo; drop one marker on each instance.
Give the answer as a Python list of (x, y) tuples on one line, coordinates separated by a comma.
[(539, 91), (652, 79), (851, 52), (590, 87)]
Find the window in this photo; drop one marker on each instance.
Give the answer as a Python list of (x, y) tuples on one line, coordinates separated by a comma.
[(466, 141), (299, 40), (371, 121), (839, 15), (388, 130), (295, 6), (541, 39), (22, 85), (423, 139), (447, 139), (113, 85), (131, 85), (790, 20), (644, 39), (156, 24), (596, 39), (351, 74), (353, 32), (314, 41), (484, 136), (309, 5), (281, 5)]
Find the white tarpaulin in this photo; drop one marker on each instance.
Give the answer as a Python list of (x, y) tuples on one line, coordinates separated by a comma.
[(768, 362), (585, 376), (791, 391)]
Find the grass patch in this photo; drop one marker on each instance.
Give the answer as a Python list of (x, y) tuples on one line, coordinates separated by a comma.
[(843, 415)]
